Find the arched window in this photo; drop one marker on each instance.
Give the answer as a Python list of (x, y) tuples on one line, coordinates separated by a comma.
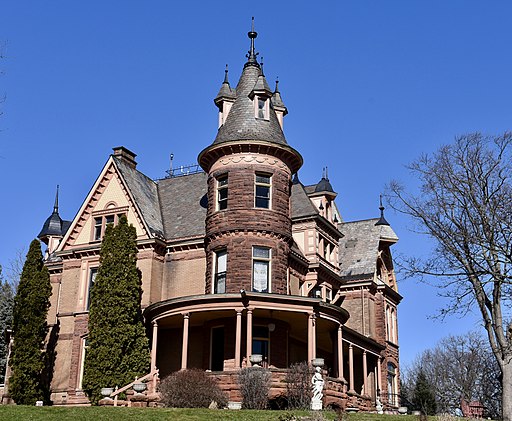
[(392, 385)]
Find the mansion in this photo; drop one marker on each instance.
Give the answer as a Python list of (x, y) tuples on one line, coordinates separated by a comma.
[(238, 258)]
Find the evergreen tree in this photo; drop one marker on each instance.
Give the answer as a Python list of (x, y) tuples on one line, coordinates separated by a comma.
[(31, 305), (118, 348), (6, 306), (423, 398)]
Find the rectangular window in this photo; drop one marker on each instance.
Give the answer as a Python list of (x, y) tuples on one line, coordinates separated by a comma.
[(222, 192), (101, 222), (262, 191), (261, 269), (219, 285), (98, 225), (92, 278), (262, 108)]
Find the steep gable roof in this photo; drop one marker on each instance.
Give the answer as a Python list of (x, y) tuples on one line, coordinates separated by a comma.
[(301, 205), (145, 195), (359, 246), (183, 205)]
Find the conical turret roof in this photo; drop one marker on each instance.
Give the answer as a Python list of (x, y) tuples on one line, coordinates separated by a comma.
[(54, 225), (241, 123)]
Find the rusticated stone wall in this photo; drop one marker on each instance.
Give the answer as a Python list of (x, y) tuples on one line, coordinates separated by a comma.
[(242, 226)]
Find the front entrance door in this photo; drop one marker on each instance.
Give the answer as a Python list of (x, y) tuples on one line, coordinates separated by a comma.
[(217, 349)]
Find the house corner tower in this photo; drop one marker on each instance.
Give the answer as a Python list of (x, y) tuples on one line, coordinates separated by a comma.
[(249, 167)]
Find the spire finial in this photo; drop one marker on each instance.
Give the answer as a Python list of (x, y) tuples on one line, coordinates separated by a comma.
[(277, 84), (56, 205), (382, 220), (226, 75), (252, 54), (326, 174), (261, 65)]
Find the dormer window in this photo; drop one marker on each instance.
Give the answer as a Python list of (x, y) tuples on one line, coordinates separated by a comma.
[(261, 107)]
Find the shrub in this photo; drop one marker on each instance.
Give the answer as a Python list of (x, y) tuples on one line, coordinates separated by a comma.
[(191, 389), (298, 385), (254, 387)]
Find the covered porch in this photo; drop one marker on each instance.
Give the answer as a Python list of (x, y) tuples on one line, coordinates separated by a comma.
[(218, 333)]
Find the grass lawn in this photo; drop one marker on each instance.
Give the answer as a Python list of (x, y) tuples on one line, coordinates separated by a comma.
[(16, 413)]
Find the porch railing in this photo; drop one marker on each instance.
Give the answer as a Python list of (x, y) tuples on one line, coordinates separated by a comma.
[(150, 379)]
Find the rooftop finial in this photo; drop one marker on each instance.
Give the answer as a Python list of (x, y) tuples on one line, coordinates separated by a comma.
[(326, 174), (226, 75), (261, 65), (56, 205), (277, 84), (382, 220), (252, 54)]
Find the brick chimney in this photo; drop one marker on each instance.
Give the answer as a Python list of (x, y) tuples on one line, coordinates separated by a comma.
[(125, 155)]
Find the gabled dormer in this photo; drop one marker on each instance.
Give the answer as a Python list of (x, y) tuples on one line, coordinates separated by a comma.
[(278, 105), (225, 98), (322, 195), (260, 96)]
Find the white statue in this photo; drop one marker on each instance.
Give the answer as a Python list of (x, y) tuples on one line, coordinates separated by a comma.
[(318, 386)]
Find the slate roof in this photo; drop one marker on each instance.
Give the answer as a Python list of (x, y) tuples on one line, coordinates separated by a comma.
[(241, 123), (183, 205), (360, 245), (54, 226), (145, 194), (301, 205)]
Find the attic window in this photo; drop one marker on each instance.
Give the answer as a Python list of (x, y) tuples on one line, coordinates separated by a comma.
[(261, 107), (103, 218)]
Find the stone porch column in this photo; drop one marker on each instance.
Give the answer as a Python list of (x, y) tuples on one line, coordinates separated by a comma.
[(351, 368), (249, 336), (379, 378), (153, 353), (238, 338), (311, 337), (184, 348), (340, 352), (365, 375)]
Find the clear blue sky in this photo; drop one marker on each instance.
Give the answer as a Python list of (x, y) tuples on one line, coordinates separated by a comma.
[(369, 86)]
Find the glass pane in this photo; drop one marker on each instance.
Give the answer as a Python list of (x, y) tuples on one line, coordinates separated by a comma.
[(222, 257), (265, 179), (223, 194), (262, 252), (223, 181), (262, 203), (220, 283), (109, 219), (263, 191), (260, 276)]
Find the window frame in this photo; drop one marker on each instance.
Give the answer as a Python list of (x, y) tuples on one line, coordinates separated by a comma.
[(258, 100), (261, 184), (260, 260), (216, 274), (91, 279), (221, 204), (100, 223), (391, 380)]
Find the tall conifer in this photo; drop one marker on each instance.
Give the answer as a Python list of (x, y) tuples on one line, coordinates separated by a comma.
[(31, 305), (118, 349)]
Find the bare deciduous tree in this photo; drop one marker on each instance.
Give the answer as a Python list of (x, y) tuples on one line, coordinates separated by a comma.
[(465, 206), (459, 367)]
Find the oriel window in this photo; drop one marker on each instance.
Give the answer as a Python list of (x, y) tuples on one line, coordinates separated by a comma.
[(263, 185)]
